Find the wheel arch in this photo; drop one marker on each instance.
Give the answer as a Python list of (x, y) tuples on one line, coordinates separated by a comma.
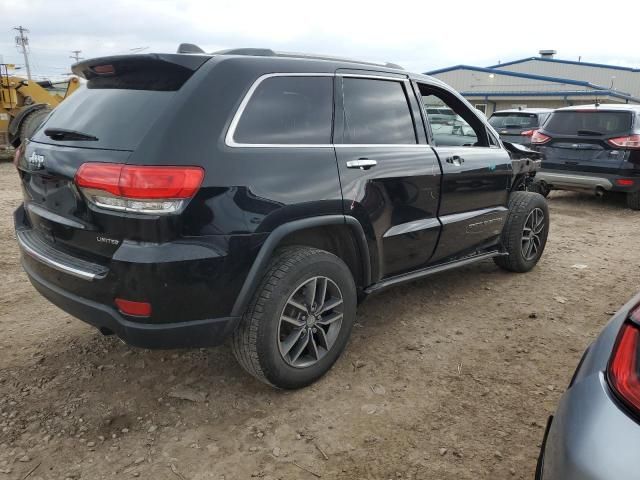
[(326, 232)]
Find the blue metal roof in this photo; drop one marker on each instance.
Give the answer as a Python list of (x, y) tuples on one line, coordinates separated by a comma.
[(569, 62), (509, 73), (564, 93), (565, 81)]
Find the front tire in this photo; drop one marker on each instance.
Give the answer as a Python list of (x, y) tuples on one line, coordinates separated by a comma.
[(525, 232), (300, 319)]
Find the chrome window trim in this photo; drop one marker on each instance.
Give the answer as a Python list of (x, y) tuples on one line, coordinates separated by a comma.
[(230, 141), (383, 145), (374, 77)]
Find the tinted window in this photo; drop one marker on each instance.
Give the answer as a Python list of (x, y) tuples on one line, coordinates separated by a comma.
[(288, 110), (376, 112), (514, 120), (588, 123), (119, 118)]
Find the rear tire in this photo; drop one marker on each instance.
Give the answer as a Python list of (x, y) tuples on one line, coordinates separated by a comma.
[(307, 295), (633, 200), (525, 232)]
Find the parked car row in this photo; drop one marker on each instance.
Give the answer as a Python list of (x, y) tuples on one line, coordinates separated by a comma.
[(593, 148), (595, 432)]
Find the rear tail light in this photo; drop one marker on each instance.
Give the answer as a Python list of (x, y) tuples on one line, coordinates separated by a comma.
[(136, 309), (539, 138), (139, 189), (528, 133), (632, 142), (623, 372), (624, 182)]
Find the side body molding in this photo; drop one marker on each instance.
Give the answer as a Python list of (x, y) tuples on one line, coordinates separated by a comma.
[(264, 255)]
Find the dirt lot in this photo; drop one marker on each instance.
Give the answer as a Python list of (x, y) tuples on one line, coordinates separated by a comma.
[(450, 377)]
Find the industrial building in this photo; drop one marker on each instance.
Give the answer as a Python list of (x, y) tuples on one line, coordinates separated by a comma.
[(543, 81)]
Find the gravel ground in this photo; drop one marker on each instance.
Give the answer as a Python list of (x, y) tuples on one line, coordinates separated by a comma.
[(450, 377)]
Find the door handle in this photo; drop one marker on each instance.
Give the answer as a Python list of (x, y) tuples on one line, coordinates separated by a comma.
[(362, 163), (455, 160)]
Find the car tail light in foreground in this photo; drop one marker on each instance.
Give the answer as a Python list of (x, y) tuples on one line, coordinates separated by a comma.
[(631, 142), (528, 133), (624, 367), (539, 138), (138, 189)]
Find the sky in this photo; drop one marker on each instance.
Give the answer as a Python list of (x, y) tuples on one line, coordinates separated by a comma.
[(420, 36)]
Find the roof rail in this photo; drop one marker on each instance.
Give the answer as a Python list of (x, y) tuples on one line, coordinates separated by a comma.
[(189, 48), (254, 52), (267, 52)]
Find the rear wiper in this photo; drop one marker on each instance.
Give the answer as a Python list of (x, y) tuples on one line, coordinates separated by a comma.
[(62, 134), (589, 132)]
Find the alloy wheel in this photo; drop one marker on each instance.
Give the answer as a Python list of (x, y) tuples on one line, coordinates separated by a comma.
[(533, 227), (310, 322)]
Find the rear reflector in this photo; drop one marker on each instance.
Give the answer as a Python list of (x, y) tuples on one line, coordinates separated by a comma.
[(142, 189), (623, 374), (539, 138), (137, 309), (631, 142), (624, 182)]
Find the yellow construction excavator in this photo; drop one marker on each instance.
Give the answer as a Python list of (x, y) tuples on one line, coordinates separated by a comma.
[(25, 104)]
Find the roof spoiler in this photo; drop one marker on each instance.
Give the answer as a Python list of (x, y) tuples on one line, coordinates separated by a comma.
[(110, 66)]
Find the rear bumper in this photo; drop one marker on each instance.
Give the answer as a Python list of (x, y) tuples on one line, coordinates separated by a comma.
[(191, 284), (189, 334), (584, 182)]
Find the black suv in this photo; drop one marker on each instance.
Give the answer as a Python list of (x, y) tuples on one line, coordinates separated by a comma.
[(592, 148), (519, 125), (177, 200)]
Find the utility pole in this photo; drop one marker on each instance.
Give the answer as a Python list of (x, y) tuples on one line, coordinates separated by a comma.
[(76, 55), (22, 42)]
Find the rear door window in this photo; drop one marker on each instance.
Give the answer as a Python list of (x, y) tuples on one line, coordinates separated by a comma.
[(376, 112), (288, 110), (589, 123)]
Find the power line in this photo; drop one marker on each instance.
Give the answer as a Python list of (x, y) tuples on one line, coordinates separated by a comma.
[(22, 42), (76, 55)]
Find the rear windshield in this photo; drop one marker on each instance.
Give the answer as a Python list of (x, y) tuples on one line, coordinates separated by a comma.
[(118, 118), (514, 120), (589, 123)]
